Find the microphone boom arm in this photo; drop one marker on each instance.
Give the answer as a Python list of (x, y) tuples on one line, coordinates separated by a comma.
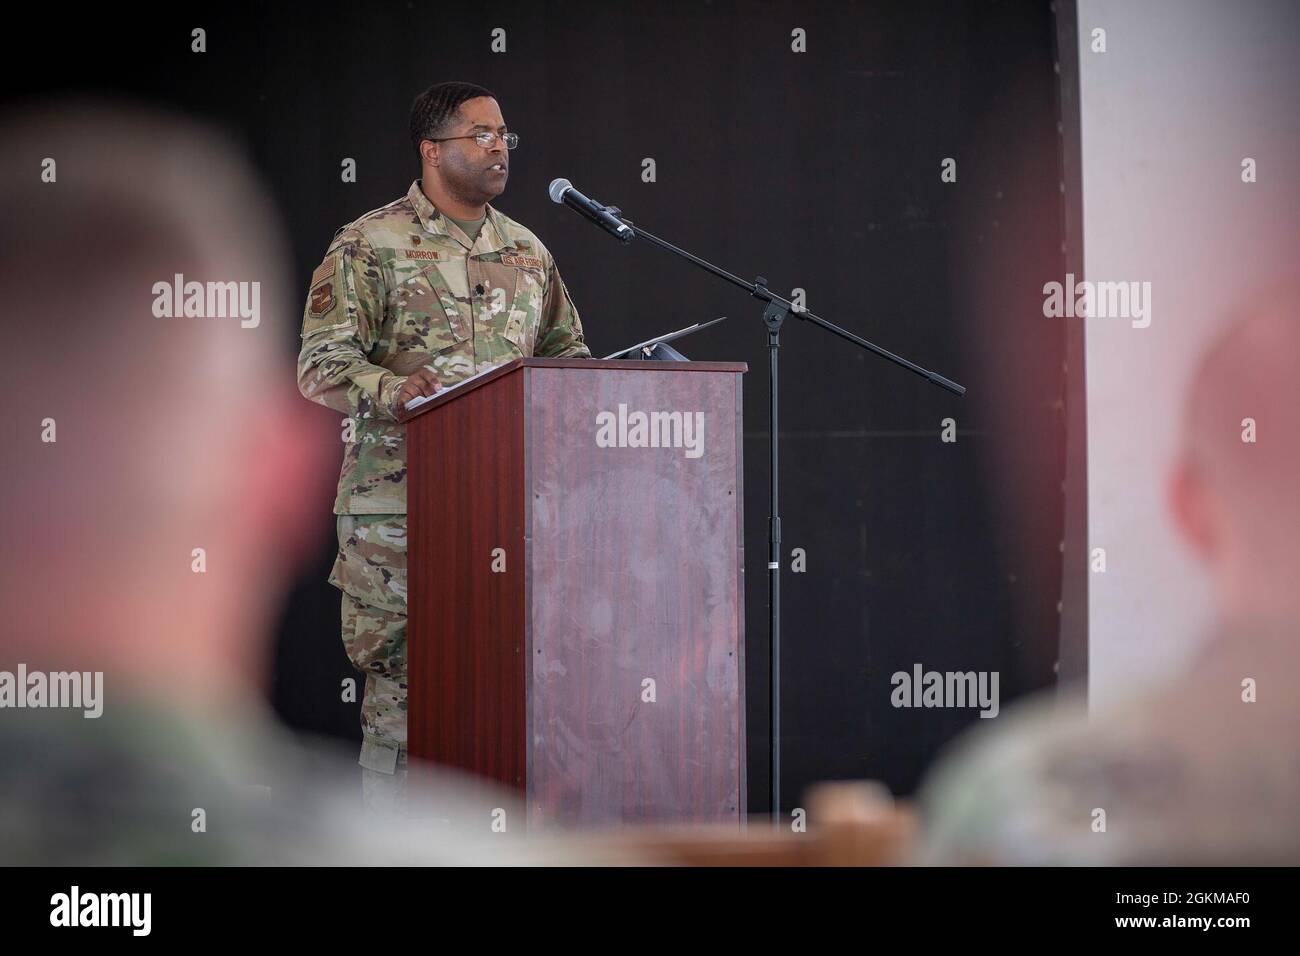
[(759, 290)]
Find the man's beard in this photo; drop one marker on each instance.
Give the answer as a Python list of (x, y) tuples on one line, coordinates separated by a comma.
[(471, 191)]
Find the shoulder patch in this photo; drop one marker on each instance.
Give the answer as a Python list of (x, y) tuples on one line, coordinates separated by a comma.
[(322, 299)]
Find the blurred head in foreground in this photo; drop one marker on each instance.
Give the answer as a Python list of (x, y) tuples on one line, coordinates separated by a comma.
[(1205, 768), (139, 440), (1233, 493), (162, 478)]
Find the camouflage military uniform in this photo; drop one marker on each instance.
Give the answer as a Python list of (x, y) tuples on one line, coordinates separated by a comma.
[(400, 289)]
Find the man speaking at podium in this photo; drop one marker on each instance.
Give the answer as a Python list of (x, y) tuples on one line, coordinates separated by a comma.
[(412, 297)]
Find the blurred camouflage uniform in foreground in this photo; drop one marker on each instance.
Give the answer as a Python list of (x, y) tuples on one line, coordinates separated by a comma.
[(147, 784), (401, 288), (1192, 773)]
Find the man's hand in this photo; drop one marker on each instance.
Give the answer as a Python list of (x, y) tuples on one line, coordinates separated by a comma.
[(420, 382)]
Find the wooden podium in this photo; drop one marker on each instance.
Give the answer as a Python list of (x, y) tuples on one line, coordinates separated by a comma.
[(575, 587)]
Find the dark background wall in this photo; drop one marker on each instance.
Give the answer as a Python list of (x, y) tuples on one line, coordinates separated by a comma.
[(818, 170)]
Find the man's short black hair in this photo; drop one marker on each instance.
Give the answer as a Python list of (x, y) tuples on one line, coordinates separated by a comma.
[(434, 108)]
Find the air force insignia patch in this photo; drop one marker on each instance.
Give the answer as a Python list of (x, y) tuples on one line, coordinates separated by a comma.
[(322, 297)]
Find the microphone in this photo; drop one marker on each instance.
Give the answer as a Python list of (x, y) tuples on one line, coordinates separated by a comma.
[(562, 191)]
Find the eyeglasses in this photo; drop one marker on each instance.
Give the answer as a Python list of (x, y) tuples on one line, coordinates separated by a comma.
[(486, 139)]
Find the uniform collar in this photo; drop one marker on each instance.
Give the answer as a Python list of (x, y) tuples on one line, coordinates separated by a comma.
[(490, 239)]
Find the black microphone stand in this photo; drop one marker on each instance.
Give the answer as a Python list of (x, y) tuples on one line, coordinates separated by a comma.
[(775, 313)]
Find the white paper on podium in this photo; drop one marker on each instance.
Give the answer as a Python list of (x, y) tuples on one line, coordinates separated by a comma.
[(417, 402)]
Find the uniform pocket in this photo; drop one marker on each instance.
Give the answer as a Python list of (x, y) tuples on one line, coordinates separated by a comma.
[(371, 563), (510, 300), (428, 318), (374, 639)]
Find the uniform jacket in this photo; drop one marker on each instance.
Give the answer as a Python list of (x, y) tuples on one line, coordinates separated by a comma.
[(402, 287)]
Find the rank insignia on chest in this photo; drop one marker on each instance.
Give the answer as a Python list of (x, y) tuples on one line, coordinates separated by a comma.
[(524, 262)]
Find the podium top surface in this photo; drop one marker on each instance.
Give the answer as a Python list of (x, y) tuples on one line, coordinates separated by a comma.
[(634, 365)]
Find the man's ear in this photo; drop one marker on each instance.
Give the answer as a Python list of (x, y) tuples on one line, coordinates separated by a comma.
[(1193, 509), (429, 152)]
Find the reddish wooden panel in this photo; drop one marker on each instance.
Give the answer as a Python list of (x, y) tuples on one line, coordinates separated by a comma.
[(465, 628)]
